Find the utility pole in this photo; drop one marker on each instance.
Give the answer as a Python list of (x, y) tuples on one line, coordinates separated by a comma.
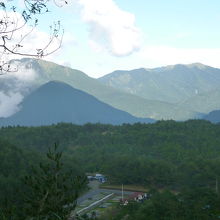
[(122, 193), (216, 184)]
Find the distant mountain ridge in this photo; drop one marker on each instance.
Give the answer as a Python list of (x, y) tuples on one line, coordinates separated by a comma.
[(56, 102), (213, 116), (172, 84)]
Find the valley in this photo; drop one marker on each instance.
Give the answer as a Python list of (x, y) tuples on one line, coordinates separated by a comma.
[(160, 139)]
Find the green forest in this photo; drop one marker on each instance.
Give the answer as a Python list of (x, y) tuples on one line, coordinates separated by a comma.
[(180, 157)]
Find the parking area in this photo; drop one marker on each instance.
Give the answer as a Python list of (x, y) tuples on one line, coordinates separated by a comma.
[(97, 200)]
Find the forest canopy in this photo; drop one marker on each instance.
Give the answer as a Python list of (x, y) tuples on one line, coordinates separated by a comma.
[(165, 154)]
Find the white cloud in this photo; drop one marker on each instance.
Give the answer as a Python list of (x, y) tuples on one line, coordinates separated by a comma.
[(14, 86), (154, 56), (9, 103), (110, 28)]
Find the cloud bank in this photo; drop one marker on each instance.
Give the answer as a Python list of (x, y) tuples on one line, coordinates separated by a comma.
[(110, 28)]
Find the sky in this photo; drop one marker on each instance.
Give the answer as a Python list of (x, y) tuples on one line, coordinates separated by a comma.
[(101, 36)]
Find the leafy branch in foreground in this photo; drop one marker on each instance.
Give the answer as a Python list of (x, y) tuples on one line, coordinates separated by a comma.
[(16, 28), (52, 191)]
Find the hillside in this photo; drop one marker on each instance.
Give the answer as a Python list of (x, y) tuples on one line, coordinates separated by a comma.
[(58, 102), (205, 102)]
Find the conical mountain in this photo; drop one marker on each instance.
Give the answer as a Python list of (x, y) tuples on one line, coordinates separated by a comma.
[(56, 102)]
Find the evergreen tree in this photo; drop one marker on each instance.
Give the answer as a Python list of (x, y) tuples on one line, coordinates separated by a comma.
[(52, 191)]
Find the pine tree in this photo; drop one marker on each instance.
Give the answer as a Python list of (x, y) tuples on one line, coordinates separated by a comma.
[(52, 190)]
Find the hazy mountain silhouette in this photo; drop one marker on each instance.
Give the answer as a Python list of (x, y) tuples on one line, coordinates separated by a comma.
[(56, 102)]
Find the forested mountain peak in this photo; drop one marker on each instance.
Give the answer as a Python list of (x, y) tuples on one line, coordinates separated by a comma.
[(56, 102)]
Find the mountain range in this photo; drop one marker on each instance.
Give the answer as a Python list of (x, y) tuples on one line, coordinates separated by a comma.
[(172, 84), (178, 92), (133, 104)]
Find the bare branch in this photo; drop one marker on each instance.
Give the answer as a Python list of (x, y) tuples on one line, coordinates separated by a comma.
[(16, 27)]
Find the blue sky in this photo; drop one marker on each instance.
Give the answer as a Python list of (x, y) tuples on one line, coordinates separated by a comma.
[(104, 35)]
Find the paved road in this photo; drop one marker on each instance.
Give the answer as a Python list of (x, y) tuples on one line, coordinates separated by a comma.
[(94, 190)]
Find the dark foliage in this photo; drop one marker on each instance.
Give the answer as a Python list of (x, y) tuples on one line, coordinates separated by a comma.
[(45, 192)]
